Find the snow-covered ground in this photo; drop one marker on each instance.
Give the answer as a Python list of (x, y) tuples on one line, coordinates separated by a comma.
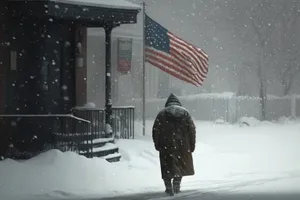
[(229, 158)]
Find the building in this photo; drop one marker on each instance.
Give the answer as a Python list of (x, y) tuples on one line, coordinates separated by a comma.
[(43, 67)]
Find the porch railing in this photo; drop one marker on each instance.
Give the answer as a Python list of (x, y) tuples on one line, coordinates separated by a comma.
[(95, 116), (122, 120), (32, 134)]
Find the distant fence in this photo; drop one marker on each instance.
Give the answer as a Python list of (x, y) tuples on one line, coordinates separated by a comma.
[(230, 109)]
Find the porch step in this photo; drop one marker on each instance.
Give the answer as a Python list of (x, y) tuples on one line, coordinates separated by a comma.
[(116, 157), (98, 142), (75, 137), (101, 147), (106, 151)]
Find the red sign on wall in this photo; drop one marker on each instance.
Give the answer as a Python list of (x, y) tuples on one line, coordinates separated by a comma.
[(124, 55)]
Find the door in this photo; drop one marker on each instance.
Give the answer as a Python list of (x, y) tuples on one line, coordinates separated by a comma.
[(4, 61), (68, 72)]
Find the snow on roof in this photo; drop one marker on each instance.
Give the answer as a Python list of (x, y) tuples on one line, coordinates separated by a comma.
[(120, 4)]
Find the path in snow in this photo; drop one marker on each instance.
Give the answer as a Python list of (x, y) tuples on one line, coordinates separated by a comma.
[(246, 163), (228, 190), (204, 195), (212, 196)]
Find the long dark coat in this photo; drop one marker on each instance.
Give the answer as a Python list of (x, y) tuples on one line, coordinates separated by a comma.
[(174, 136)]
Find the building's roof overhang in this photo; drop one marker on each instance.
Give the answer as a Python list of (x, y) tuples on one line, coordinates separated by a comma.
[(95, 13), (119, 4)]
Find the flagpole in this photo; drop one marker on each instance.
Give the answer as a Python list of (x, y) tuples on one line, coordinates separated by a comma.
[(144, 73)]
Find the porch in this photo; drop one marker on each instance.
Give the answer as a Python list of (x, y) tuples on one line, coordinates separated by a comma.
[(82, 132), (43, 72)]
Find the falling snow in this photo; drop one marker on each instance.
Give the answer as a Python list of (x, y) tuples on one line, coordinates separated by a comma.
[(252, 83)]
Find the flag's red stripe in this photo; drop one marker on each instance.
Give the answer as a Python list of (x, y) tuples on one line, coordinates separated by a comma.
[(170, 59), (161, 66), (177, 54), (196, 50), (167, 70), (203, 69), (178, 62), (173, 67), (201, 75), (186, 47), (168, 66), (176, 65), (199, 66)]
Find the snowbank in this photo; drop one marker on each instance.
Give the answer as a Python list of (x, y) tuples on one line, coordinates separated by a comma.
[(252, 121), (54, 171), (220, 121), (287, 120), (227, 157), (248, 121), (67, 175), (54, 174)]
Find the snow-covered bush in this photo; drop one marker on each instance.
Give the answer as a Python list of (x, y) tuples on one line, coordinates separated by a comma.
[(285, 120), (220, 121), (248, 121)]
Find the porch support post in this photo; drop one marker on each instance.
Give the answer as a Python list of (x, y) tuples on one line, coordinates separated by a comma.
[(108, 87)]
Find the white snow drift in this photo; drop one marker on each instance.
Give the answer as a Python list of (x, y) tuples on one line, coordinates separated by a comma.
[(261, 158)]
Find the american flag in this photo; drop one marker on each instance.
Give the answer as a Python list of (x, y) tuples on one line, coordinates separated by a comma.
[(173, 55)]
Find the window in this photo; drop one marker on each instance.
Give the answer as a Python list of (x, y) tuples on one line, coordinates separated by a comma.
[(13, 60)]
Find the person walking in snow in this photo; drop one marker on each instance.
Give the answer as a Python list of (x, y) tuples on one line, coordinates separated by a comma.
[(174, 136)]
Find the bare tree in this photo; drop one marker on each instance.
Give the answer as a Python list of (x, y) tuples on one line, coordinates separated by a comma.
[(287, 40), (252, 22), (269, 30)]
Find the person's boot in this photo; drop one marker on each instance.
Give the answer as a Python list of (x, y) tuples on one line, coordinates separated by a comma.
[(176, 184), (169, 188)]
